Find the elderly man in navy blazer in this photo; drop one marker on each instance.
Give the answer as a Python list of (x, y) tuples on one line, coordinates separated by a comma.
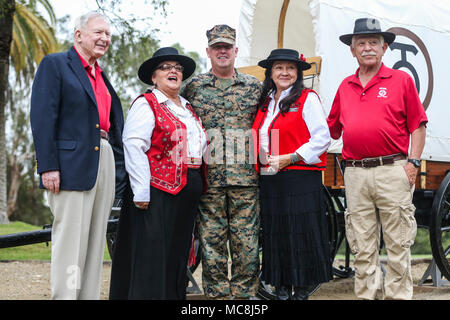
[(77, 123)]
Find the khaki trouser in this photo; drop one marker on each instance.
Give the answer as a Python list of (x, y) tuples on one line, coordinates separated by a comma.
[(78, 234), (377, 198)]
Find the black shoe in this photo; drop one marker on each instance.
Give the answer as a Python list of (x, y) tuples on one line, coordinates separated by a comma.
[(300, 293), (283, 293)]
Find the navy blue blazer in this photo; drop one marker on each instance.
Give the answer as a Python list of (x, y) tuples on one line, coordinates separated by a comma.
[(65, 123)]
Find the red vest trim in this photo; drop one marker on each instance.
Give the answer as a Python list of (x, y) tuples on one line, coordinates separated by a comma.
[(287, 133), (168, 149)]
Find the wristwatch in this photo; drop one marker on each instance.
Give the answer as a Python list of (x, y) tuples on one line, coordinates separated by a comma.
[(294, 157), (415, 162)]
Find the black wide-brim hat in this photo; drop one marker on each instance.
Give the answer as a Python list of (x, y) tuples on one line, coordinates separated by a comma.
[(147, 68), (367, 26), (284, 55)]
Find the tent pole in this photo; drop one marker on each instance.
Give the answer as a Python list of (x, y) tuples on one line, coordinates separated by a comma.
[(281, 21)]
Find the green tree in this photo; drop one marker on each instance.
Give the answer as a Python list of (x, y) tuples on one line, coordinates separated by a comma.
[(124, 57), (201, 62), (7, 8), (25, 199), (32, 36), (122, 61), (25, 36)]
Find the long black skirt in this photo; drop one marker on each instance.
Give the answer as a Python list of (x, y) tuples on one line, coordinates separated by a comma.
[(295, 240), (152, 246)]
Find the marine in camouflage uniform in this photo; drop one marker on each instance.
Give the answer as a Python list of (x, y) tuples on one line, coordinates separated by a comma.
[(230, 209)]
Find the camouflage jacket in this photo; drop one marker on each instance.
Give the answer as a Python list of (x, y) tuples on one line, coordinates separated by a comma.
[(227, 115)]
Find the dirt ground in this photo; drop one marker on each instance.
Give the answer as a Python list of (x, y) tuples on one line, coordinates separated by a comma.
[(30, 280)]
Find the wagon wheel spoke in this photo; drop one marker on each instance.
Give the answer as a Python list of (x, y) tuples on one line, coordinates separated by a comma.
[(447, 251), (446, 204), (445, 228), (446, 245)]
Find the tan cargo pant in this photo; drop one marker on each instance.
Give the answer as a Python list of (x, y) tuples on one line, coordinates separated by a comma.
[(380, 197)]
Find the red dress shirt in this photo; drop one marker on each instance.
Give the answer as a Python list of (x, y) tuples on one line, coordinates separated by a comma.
[(101, 92)]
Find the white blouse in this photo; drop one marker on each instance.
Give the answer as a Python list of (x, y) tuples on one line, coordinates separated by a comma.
[(137, 136), (315, 120)]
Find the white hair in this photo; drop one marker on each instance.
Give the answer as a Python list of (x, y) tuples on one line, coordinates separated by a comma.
[(83, 20)]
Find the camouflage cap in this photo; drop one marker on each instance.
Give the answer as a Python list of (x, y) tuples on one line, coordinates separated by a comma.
[(221, 33)]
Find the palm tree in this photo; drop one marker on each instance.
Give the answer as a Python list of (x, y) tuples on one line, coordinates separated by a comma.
[(7, 8), (32, 36), (25, 37)]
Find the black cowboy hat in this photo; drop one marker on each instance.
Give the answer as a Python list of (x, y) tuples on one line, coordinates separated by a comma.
[(285, 55), (367, 26), (147, 68)]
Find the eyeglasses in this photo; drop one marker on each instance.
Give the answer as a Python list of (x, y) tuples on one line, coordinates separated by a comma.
[(168, 67)]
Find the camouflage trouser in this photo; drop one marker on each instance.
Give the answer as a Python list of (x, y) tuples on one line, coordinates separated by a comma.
[(229, 213)]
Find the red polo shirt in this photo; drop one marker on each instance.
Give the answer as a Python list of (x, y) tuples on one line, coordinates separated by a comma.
[(376, 120), (101, 92)]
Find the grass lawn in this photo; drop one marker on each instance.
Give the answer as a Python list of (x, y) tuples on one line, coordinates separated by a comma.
[(39, 251)]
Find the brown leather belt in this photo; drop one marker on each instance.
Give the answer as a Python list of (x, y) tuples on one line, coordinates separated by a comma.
[(104, 134), (374, 162)]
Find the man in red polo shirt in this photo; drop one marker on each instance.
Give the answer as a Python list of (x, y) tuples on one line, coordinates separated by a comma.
[(378, 112), (77, 123)]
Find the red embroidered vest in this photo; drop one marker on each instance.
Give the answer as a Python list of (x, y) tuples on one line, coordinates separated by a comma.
[(168, 149), (287, 133)]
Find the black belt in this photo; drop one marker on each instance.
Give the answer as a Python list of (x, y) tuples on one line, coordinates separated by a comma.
[(104, 134), (374, 162)]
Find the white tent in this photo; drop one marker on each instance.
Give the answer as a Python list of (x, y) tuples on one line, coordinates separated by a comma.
[(313, 27)]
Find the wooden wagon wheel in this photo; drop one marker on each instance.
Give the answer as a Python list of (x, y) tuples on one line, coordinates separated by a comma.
[(332, 223), (111, 235), (440, 227), (111, 231), (110, 242)]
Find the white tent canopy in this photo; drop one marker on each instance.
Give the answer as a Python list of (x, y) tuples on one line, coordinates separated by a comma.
[(313, 27), (259, 24)]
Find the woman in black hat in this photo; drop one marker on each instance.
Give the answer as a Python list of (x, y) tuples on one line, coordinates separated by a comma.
[(164, 142), (291, 139)]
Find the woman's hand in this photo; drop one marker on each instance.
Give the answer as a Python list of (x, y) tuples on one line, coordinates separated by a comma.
[(279, 162), (141, 205)]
